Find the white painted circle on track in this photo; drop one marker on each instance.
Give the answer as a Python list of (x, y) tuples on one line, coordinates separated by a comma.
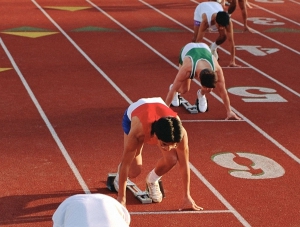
[(248, 165), (265, 21)]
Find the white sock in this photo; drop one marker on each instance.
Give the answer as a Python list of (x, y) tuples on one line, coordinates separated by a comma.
[(153, 177), (213, 46)]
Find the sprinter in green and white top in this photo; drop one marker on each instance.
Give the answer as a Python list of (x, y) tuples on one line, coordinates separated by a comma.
[(197, 62), (196, 52)]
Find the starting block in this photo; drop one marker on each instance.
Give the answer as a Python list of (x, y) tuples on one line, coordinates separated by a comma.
[(189, 107), (143, 196)]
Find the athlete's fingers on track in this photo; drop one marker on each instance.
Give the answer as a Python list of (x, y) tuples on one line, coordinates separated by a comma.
[(234, 66)]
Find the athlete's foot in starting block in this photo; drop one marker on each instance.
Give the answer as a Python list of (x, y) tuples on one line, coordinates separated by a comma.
[(189, 107), (143, 196)]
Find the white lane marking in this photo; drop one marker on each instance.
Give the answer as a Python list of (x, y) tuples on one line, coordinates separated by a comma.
[(47, 122), (182, 212)]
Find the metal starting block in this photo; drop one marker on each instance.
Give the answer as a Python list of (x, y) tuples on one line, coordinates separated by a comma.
[(143, 196), (189, 107)]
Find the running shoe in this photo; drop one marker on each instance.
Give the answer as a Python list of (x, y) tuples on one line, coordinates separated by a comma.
[(201, 102), (214, 52), (176, 100), (154, 191)]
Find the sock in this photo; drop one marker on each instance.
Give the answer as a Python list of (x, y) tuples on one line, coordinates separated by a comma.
[(213, 46), (153, 177)]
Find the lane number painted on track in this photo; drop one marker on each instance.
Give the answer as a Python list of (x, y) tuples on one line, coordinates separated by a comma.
[(248, 165), (265, 21), (257, 94), (257, 50)]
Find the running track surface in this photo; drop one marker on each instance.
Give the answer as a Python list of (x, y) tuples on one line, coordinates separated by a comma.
[(68, 71)]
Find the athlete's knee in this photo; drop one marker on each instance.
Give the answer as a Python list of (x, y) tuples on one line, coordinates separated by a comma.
[(171, 160), (183, 90)]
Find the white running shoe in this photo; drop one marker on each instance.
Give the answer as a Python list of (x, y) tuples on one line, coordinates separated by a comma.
[(201, 102), (214, 52), (176, 100), (154, 191)]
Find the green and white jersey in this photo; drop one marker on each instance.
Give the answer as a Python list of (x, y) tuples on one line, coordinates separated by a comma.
[(196, 52)]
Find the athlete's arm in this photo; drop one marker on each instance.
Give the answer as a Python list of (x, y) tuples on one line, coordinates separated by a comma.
[(183, 160), (220, 85), (229, 31), (180, 83), (130, 148), (203, 27)]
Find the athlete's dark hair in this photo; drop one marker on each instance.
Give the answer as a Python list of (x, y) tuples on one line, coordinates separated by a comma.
[(168, 129), (222, 18), (208, 78)]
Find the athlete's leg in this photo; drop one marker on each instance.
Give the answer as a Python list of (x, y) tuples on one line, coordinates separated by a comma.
[(222, 36), (167, 162), (243, 7), (185, 86), (232, 6), (136, 165), (196, 30)]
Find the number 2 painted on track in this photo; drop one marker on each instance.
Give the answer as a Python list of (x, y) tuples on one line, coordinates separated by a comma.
[(261, 94), (248, 165)]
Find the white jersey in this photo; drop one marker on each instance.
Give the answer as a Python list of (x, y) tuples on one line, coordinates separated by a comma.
[(208, 8), (91, 210)]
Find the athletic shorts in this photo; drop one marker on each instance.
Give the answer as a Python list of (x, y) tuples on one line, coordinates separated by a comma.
[(197, 23), (126, 123)]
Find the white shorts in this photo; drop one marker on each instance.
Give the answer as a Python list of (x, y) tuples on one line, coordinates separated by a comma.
[(209, 8)]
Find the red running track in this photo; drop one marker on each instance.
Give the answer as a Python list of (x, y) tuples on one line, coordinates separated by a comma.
[(63, 96)]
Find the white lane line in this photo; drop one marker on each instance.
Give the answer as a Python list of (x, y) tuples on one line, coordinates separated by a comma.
[(182, 212), (47, 122), (131, 33), (84, 54), (295, 2), (219, 196)]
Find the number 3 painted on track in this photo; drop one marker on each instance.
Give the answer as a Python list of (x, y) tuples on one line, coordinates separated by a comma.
[(251, 97), (248, 165)]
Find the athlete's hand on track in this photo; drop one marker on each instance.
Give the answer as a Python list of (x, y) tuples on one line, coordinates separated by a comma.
[(189, 203), (233, 65), (232, 116)]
